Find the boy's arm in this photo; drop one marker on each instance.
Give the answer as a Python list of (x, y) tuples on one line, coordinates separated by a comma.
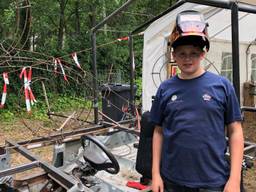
[(157, 148), (236, 148), (157, 182)]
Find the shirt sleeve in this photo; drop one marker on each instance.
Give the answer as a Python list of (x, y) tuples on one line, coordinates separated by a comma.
[(156, 112), (233, 112)]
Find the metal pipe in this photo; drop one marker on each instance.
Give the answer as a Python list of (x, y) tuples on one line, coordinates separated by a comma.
[(60, 176), (44, 141), (57, 136), (249, 149), (246, 7), (132, 70), (95, 78), (235, 48), (123, 128), (105, 20), (247, 52), (19, 169), (64, 116), (225, 4), (248, 109)]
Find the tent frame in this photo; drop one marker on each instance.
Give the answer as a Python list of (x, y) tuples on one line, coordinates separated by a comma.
[(234, 6), (225, 4)]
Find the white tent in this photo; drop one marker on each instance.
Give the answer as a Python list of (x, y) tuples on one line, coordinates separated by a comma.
[(156, 39)]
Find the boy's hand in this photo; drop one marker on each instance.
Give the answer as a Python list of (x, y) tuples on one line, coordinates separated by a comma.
[(157, 184), (232, 186)]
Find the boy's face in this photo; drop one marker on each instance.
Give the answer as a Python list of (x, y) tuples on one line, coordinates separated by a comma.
[(188, 58)]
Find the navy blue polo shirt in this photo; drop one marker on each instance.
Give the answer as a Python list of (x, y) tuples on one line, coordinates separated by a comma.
[(193, 114)]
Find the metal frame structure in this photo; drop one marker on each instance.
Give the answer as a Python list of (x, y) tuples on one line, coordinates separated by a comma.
[(234, 6), (65, 180), (59, 176), (225, 4), (94, 58), (54, 173)]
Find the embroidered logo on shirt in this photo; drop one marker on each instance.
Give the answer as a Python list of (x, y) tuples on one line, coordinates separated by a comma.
[(207, 97), (174, 97)]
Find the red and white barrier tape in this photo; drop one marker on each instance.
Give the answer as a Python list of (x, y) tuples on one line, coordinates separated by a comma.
[(58, 61), (55, 65), (74, 56), (29, 96), (6, 79), (26, 84), (4, 94), (123, 38)]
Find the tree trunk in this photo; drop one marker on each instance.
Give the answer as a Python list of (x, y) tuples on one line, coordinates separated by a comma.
[(104, 16), (24, 20), (92, 18), (77, 16), (61, 24)]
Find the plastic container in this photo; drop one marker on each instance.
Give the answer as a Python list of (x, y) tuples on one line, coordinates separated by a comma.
[(115, 101)]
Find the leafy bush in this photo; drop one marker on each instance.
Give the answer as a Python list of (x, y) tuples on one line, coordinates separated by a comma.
[(6, 116), (58, 103)]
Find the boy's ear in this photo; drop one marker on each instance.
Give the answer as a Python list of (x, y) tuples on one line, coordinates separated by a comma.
[(203, 54)]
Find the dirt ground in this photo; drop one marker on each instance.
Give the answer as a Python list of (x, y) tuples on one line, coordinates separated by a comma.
[(249, 127), (24, 129)]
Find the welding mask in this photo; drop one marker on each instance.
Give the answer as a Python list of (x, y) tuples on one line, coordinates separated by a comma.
[(190, 29)]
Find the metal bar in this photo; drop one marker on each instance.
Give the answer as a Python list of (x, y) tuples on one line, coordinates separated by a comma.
[(18, 169), (250, 149), (38, 142), (123, 128), (248, 109), (175, 6), (65, 139), (235, 49), (64, 134), (64, 116), (132, 70), (246, 7), (56, 173), (95, 78), (225, 4), (249, 143), (117, 11)]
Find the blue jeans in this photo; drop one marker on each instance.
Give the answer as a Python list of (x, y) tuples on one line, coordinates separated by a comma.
[(171, 187)]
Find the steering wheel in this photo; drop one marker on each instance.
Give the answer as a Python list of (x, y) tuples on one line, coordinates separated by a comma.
[(99, 157)]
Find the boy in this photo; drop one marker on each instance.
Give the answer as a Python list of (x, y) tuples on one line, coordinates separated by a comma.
[(191, 111)]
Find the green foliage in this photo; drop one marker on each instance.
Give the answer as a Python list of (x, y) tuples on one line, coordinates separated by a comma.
[(6, 116), (44, 35), (59, 104), (138, 83), (67, 103), (138, 98), (9, 15)]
